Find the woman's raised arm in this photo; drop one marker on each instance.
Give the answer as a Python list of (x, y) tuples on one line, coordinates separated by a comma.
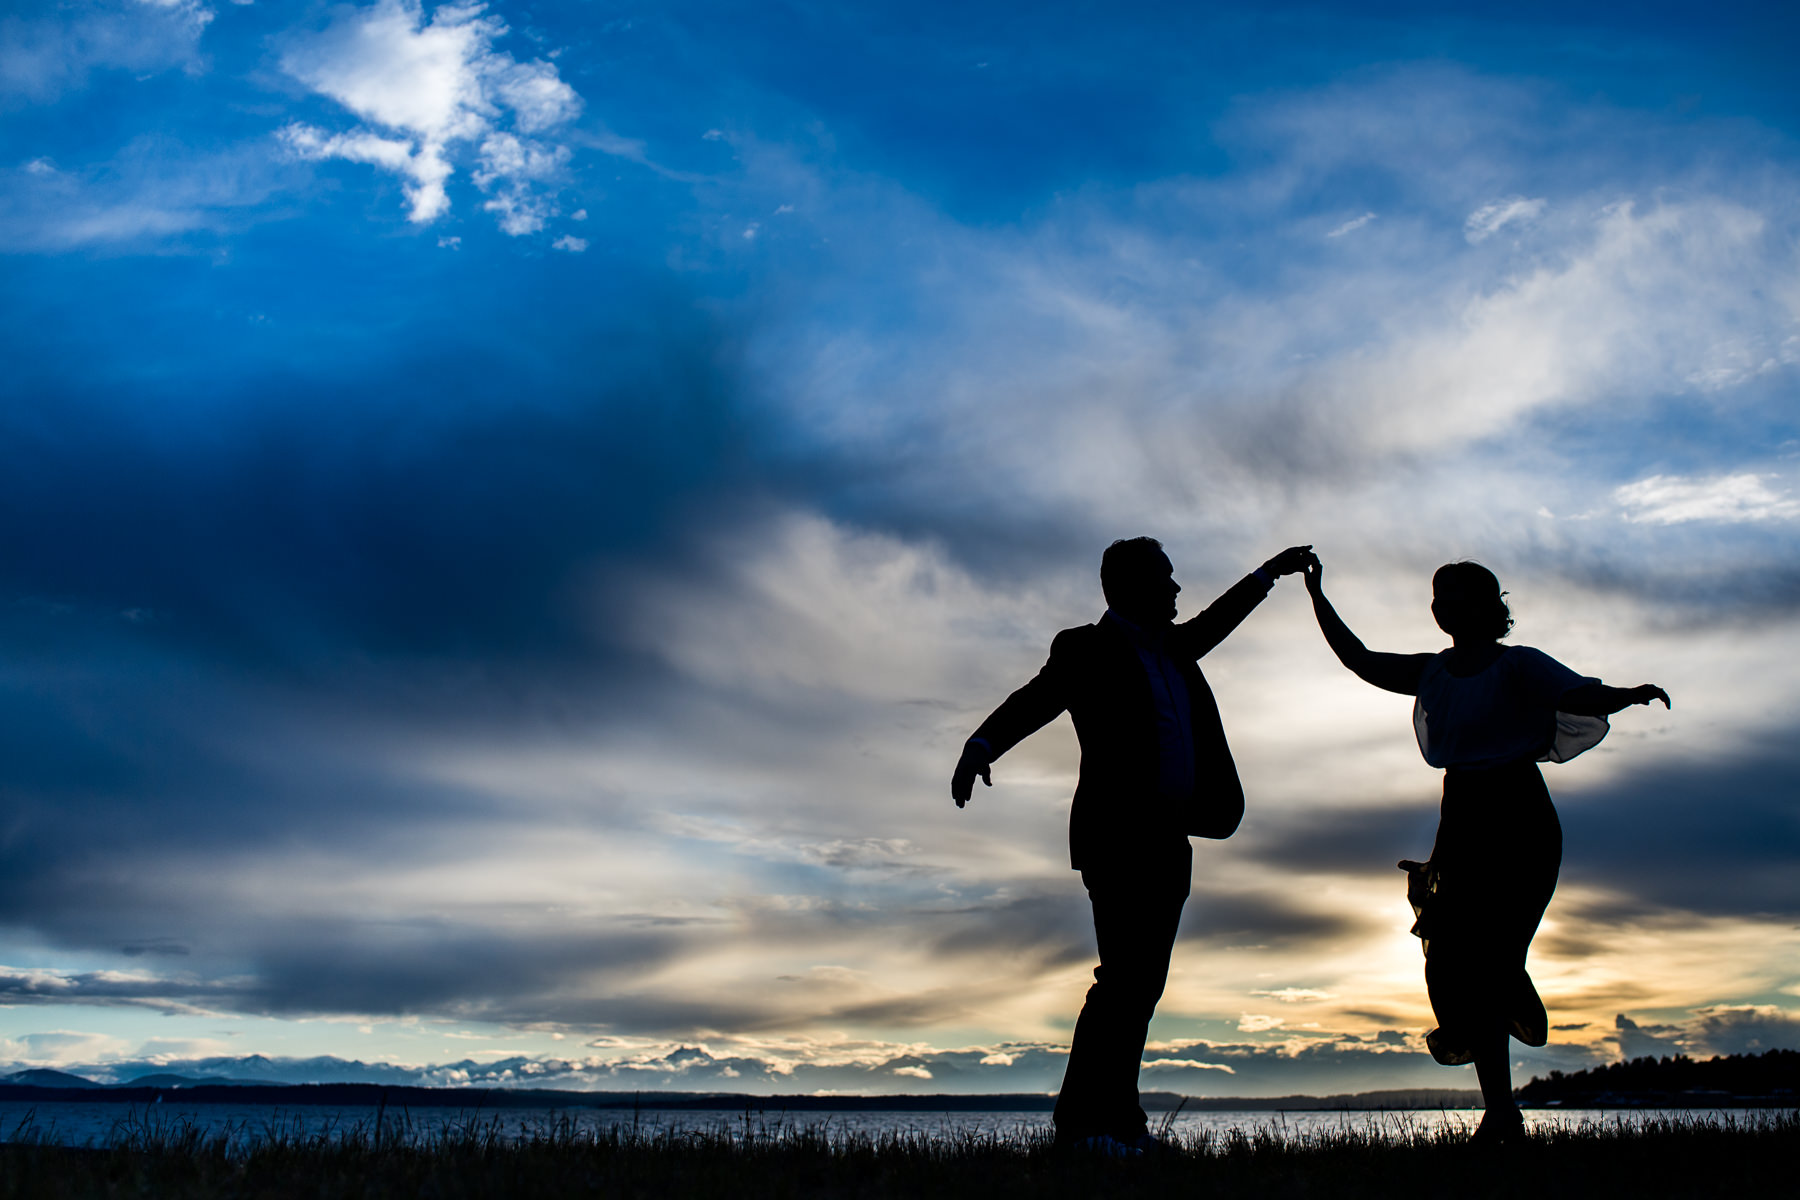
[(1390, 672)]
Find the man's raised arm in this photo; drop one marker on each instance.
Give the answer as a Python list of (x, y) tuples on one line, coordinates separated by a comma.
[(1195, 637)]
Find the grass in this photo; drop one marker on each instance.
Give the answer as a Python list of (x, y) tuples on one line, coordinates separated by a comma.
[(1742, 1157)]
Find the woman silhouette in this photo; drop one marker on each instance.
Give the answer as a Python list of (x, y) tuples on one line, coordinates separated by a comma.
[(1487, 714)]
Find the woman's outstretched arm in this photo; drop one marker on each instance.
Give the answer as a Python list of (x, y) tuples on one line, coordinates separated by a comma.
[(1598, 700), (1390, 672)]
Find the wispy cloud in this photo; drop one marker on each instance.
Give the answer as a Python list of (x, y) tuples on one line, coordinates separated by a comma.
[(1727, 499), (54, 50), (1352, 225), (1490, 219)]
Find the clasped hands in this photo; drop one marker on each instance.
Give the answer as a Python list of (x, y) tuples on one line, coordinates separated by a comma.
[(1291, 561)]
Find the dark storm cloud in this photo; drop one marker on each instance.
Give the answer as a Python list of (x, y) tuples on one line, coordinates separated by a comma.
[(1053, 928), (1693, 578), (1720, 1029), (396, 968), (1745, 1029), (1262, 919), (1356, 840), (229, 590), (431, 966), (1646, 1041), (1718, 838), (437, 514), (1658, 839), (19, 987), (116, 797)]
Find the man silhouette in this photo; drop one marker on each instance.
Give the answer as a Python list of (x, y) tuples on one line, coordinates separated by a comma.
[(1155, 769)]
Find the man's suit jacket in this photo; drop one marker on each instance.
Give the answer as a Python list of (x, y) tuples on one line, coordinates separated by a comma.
[(1094, 673)]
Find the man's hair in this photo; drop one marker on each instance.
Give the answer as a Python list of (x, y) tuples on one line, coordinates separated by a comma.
[(1466, 599), (1124, 563)]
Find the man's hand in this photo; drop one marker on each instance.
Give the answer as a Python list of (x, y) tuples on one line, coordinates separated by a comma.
[(1289, 561), (1644, 693), (973, 762)]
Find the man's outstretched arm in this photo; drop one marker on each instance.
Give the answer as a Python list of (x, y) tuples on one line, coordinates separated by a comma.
[(1193, 638), (977, 758), (1019, 716)]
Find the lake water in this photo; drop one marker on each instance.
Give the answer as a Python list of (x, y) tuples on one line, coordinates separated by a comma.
[(81, 1124)]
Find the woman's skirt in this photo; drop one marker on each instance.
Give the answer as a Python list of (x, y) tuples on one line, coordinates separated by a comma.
[(1479, 900)]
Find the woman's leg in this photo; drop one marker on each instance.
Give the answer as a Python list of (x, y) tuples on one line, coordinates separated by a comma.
[(1494, 1071)]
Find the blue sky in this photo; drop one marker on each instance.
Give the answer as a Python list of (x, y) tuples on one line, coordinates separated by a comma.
[(507, 513)]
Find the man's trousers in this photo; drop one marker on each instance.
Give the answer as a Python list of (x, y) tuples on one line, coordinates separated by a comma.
[(1137, 910)]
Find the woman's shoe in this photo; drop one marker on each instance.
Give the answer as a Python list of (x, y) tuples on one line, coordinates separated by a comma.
[(1499, 1128)]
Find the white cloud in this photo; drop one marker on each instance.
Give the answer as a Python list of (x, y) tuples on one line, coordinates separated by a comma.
[(193, 10), (570, 244), (429, 86), (1673, 500), (1351, 225), (1189, 1064), (56, 1047), (1259, 1023), (1490, 219), (1294, 995), (425, 165)]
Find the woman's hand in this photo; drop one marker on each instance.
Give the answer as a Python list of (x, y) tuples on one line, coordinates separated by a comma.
[(1598, 700), (1288, 562), (1315, 575)]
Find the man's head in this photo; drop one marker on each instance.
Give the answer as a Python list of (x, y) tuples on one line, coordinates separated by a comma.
[(1139, 581)]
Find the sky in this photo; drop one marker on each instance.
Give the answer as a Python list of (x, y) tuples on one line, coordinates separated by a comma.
[(509, 512)]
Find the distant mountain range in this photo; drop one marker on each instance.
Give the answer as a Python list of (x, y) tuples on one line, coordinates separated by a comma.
[(1770, 1079), (511, 1082), (45, 1085), (42, 1077)]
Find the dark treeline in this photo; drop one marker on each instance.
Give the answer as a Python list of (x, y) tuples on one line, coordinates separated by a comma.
[(1773, 1076)]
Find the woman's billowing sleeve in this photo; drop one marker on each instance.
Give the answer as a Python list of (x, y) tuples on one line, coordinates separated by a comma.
[(1541, 679)]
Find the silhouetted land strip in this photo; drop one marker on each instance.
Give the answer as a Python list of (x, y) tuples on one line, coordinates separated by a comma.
[(1771, 1079), (1732, 1157), (373, 1095)]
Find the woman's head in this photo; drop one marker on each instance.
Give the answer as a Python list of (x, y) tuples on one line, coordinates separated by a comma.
[(1466, 600)]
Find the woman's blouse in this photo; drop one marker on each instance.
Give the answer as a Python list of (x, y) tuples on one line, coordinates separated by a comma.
[(1502, 714)]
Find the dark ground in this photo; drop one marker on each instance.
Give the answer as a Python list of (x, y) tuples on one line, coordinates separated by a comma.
[(1743, 1158)]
